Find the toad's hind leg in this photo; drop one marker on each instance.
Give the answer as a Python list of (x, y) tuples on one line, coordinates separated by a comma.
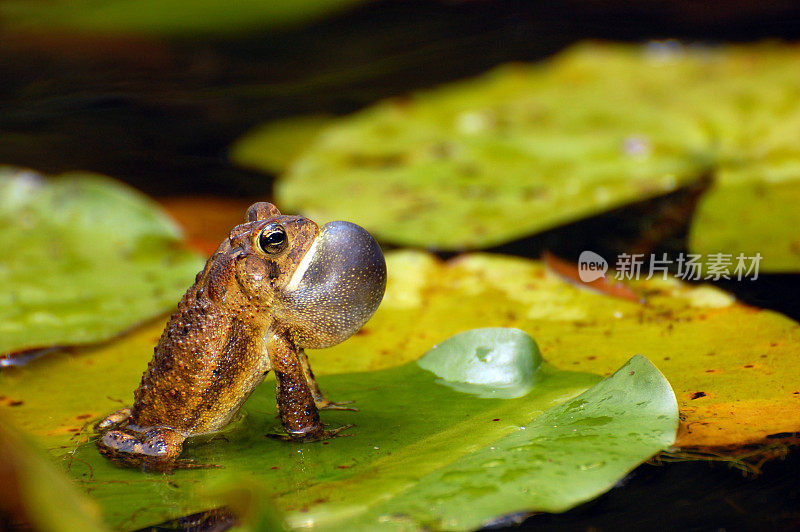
[(320, 400), (156, 449)]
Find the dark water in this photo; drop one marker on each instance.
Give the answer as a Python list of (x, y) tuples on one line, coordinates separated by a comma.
[(160, 115)]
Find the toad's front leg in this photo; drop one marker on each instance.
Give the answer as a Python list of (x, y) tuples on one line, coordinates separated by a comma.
[(296, 405)]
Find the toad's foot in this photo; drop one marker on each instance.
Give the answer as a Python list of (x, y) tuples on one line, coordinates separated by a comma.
[(311, 437)]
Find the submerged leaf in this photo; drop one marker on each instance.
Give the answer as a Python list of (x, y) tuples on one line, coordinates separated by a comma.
[(86, 258)]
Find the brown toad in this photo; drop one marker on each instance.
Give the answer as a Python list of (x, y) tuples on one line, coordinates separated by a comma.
[(277, 285)]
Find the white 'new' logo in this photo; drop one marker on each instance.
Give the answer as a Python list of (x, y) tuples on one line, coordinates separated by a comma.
[(591, 266)]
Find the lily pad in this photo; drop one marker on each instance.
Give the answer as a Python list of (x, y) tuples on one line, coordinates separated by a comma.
[(86, 258), (730, 393), (573, 450), (753, 219), (486, 362), (272, 147), (733, 367), (485, 161), (411, 428), (748, 99), (163, 18), (526, 148)]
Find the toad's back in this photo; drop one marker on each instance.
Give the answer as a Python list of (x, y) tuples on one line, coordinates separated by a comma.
[(209, 358)]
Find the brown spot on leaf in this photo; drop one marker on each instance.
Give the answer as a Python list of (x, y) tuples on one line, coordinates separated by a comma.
[(779, 435), (698, 395)]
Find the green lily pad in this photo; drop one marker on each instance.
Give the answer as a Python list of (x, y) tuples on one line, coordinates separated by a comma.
[(755, 122), (750, 219), (272, 147), (485, 161), (410, 429), (526, 148), (163, 17), (86, 258), (573, 450)]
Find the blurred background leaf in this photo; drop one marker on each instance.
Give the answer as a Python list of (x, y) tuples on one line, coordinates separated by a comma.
[(527, 148), (272, 147), (34, 494), (162, 18), (86, 258)]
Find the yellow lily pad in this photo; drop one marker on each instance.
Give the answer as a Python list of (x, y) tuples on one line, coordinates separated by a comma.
[(86, 258), (733, 367), (730, 392)]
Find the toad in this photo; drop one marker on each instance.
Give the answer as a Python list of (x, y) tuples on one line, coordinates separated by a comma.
[(277, 286)]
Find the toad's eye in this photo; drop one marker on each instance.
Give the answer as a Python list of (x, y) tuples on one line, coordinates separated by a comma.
[(272, 239)]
